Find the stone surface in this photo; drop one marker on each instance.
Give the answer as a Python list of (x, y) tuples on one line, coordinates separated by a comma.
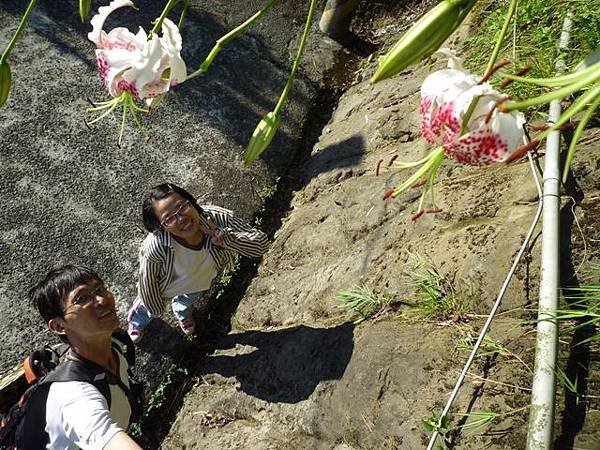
[(339, 234), (71, 195)]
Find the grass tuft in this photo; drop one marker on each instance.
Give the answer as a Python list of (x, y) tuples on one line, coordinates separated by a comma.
[(436, 298), (363, 302), (532, 42)]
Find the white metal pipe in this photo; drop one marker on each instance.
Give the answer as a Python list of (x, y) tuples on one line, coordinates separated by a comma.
[(541, 414)]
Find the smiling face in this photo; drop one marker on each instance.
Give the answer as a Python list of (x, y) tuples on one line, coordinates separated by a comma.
[(89, 313), (179, 217)]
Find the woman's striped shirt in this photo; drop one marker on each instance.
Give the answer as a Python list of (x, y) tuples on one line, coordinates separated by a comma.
[(156, 255)]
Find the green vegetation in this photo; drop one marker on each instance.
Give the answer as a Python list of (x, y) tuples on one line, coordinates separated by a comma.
[(532, 42), (364, 302), (436, 297), (226, 277), (489, 347), (565, 381), (173, 378), (585, 312)]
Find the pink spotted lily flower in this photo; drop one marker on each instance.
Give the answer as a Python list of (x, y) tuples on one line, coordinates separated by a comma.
[(135, 67), (459, 113)]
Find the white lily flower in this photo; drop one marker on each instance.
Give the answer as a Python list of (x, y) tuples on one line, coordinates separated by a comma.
[(486, 136), (127, 62), (460, 114)]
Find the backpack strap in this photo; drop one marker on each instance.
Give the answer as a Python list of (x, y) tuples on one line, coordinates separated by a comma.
[(32, 429), (120, 337)]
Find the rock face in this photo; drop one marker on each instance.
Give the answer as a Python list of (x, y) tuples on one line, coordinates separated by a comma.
[(295, 374), (71, 195)]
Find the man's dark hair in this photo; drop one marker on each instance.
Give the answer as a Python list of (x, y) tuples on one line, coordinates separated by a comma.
[(49, 295), (151, 222)]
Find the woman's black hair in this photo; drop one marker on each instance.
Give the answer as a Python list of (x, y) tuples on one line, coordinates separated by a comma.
[(49, 296), (151, 222)]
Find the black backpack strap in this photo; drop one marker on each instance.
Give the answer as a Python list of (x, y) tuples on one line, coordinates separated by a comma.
[(31, 430), (121, 337)]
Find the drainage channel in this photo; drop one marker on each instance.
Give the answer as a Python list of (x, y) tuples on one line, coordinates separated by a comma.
[(166, 400)]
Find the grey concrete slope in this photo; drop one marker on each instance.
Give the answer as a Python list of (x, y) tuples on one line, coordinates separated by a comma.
[(71, 195)]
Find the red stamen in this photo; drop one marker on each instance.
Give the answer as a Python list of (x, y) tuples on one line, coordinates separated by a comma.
[(522, 150), (378, 166), (388, 193), (392, 160), (539, 126), (488, 117), (493, 70), (418, 184), (566, 126), (434, 210), (415, 216)]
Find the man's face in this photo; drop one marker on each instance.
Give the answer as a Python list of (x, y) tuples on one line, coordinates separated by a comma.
[(90, 311)]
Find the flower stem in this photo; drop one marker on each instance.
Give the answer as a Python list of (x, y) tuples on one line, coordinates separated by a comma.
[(433, 158), (578, 132), (555, 81), (224, 40), (509, 15), (554, 95), (183, 15), (290, 81), (577, 106), (20, 28), (167, 9)]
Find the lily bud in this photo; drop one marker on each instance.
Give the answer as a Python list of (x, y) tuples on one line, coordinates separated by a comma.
[(423, 38), (261, 138), (5, 82), (84, 9)]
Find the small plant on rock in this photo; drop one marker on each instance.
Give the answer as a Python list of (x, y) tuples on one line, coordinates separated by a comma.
[(436, 298), (489, 347), (364, 302)]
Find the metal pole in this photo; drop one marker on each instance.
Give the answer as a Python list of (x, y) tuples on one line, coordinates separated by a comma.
[(541, 415)]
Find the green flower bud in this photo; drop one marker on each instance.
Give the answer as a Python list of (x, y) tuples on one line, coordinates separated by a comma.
[(423, 38), (84, 9), (261, 138), (5, 82)]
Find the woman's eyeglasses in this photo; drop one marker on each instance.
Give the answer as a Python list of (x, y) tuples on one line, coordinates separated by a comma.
[(171, 219)]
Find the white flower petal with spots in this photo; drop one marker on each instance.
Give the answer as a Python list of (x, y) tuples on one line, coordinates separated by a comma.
[(144, 67), (489, 136)]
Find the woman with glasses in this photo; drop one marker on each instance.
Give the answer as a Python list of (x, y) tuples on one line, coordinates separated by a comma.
[(186, 248)]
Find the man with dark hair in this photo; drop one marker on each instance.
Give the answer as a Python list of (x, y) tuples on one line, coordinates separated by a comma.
[(78, 307)]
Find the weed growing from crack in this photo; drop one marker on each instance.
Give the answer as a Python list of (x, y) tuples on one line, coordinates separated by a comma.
[(435, 296), (174, 374), (364, 302), (489, 347), (565, 381)]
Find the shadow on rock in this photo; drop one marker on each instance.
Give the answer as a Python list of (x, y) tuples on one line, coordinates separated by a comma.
[(285, 365), (161, 345), (346, 153)]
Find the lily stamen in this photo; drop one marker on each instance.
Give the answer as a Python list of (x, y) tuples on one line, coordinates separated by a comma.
[(493, 70)]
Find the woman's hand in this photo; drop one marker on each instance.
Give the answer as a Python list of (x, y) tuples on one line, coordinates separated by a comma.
[(213, 232)]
